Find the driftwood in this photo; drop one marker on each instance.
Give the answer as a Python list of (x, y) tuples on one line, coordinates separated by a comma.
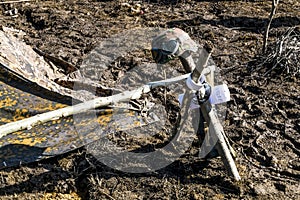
[(83, 107)]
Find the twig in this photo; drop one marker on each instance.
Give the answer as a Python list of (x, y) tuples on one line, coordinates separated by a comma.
[(19, 1), (266, 35), (106, 194), (83, 107), (277, 62), (282, 54)]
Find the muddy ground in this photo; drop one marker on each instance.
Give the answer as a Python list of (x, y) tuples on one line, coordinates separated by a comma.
[(262, 120)]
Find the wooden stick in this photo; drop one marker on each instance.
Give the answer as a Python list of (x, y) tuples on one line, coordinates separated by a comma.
[(19, 1), (209, 113), (83, 107), (188, 64), (218, 130)]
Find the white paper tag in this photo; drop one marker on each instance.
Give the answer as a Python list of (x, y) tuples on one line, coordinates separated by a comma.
[(220, 94)]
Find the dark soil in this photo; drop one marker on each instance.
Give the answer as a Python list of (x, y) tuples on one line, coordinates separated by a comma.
[(263, 118)]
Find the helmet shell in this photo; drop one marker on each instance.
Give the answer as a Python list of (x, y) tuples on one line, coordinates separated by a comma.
[(175, 41)]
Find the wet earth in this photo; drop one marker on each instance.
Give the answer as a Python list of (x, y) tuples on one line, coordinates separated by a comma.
[(262, 121)]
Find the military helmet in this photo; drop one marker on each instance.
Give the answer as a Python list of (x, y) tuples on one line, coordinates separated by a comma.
[(171, 43)]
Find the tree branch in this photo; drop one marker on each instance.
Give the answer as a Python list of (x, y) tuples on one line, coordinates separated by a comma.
[(266, 35)]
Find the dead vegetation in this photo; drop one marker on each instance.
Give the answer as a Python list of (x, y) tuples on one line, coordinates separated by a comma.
[(282, 56)]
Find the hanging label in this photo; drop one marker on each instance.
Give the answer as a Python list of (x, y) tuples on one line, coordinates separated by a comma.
[(220, 94)]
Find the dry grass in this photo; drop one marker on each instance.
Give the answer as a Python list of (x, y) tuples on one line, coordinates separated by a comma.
[(282, 56)]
